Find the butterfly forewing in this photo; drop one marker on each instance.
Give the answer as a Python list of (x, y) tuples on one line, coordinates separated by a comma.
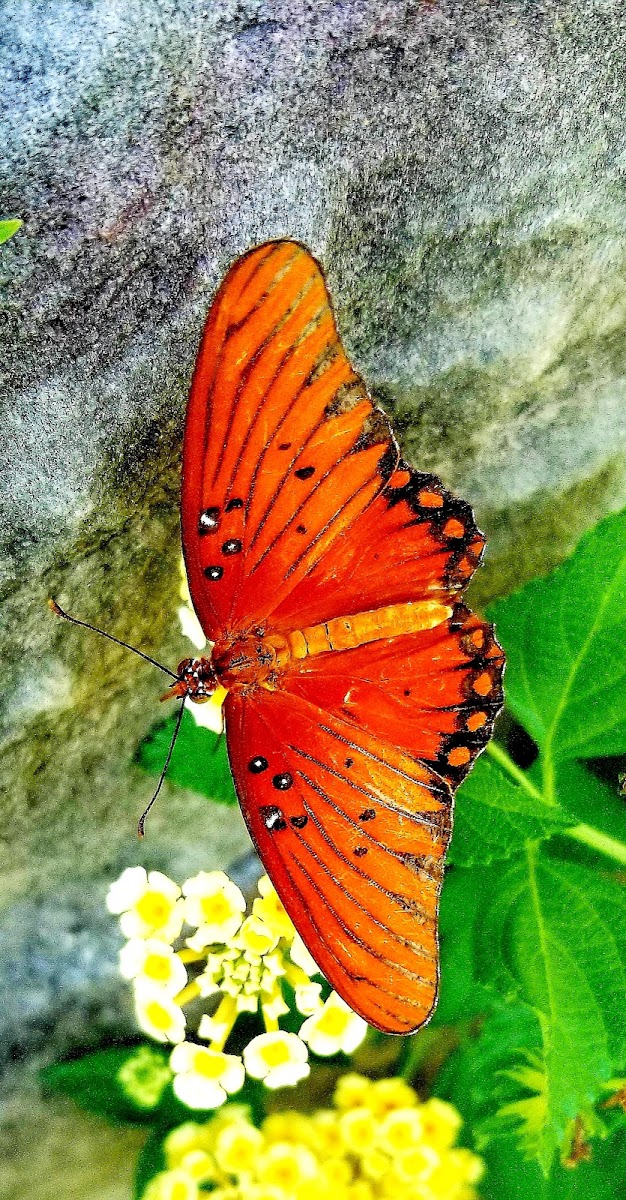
[(283, 448)]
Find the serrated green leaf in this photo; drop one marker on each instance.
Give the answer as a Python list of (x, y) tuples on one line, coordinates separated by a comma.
[(494, 817), (554, 937), (564, 638), (199, 760), (8, 228), (94, 1083)]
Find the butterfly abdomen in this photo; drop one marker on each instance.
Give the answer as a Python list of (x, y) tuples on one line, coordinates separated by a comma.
[(346, 633)]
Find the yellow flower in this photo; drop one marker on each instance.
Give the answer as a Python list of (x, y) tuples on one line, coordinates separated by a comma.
[(287, 1126), (375, 1164), (184, 1140), (353, 1091), (400, 1130), (143, 1076), (256, 937), (336, 1173), (285, 1165), (387, 1094), (361, 1189), (416, 1163), (158, 1015), (200, 1165), (237, 1148), (203, 1078), (326, 1134), (456, 1168), (215, 906), (279, 1059), (148, 903), (172, 1185), (333, 1028), (358, 1130), (154, 961), (441, 1123), (269, 908)]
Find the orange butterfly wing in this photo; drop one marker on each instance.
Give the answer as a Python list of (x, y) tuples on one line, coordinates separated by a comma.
[(353, 834), (295, 511), (283, 448)]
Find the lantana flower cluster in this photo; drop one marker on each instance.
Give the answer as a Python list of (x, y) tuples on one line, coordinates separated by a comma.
[(377, 1140), (197, 943)]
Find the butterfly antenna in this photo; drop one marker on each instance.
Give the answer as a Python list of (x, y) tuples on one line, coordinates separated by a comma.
[(56, 608), (142, 820)]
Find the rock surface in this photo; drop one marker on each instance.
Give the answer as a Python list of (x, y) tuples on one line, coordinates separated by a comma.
[(457, 167)]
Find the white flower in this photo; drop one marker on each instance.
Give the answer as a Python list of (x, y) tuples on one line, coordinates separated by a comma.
[(301, 957), (215, 906), (279, 1059), (334, 1028), (210, 714), (154, 961), (308, 998), (158, 1015), (204, 1078), (255, 938), (148, 903), (191, 627)]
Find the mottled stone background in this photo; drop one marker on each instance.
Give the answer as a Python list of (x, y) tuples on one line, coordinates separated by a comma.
[(459, 169)]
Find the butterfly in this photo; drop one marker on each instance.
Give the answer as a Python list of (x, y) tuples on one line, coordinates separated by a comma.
[(328, 575)]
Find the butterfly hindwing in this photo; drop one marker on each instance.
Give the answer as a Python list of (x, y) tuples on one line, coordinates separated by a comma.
[(353, 833), (433, 694)]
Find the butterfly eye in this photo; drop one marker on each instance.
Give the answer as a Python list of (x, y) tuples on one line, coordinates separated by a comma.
[(258, 764), (233, 504), (232, 546), (304, 472), (214, 572)]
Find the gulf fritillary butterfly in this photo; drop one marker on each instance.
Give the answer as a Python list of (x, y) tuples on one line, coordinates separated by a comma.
[(328, 573)]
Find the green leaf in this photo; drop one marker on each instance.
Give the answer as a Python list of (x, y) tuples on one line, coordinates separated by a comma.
[(8, 228), (564, 638), (199, 759), (150, 1162), (510, 1176), (589, 799), (99, 1082), (461, 995), (494, 816), (554, 937)]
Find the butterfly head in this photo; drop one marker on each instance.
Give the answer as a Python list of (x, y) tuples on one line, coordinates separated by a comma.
[(196, 679)]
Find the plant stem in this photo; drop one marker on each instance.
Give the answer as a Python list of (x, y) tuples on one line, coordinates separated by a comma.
[(499, 753), (601, 842), (586, 834)]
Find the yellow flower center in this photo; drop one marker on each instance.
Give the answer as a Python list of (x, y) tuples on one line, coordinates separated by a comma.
[(210, 1066), (333, 1022), (158, 1016), (157, 966), (216, 908), (275, 1054), (153, 908)]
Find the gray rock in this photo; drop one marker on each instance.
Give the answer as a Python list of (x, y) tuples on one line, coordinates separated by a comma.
[(457, 167)]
